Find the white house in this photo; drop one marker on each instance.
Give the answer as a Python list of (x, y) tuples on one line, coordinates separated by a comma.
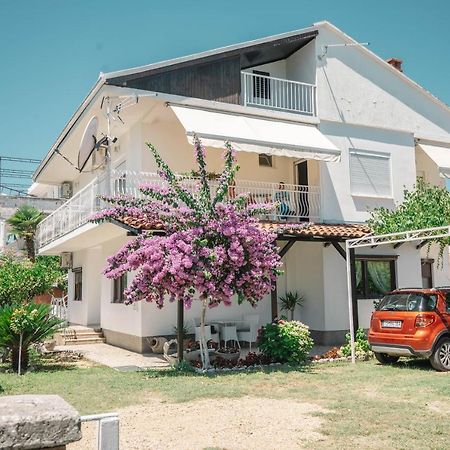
[(343, 129)]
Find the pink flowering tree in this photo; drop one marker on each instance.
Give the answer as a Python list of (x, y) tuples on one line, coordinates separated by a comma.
[(213, 249)]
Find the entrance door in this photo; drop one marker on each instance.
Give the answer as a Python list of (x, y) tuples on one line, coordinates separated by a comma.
[(427, 273), (302, 180)]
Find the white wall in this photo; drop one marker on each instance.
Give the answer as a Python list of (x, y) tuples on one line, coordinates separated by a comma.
[(301, 65), (338, 203), (354, 88)]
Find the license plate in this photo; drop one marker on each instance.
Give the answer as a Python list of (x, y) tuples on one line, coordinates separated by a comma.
[(391, 323)]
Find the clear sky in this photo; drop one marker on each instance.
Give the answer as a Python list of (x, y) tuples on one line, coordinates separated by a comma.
[(51, 51)]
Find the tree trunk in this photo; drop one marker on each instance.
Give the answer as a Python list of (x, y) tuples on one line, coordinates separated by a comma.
[(15, 359), (29, 243), (203, 344)]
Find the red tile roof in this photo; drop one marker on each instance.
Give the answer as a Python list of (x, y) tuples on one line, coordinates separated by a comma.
[(287, 229)]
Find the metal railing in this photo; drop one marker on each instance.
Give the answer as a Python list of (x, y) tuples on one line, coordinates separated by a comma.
[(108, 430), (294, 202), (277, 93)]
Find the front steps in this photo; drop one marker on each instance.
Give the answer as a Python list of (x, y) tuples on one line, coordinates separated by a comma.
[(79, 335)]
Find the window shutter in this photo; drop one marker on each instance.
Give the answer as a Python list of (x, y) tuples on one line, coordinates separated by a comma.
[(370, 174)]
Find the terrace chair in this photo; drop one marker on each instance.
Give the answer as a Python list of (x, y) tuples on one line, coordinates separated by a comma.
[(229, 333), (209, 335), (250, 333)]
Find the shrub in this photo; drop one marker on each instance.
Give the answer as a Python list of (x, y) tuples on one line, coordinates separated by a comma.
[(285, 341), (22, 279), (24, 325), (362, 347)]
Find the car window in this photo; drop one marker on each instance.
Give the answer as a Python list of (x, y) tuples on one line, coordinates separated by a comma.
[(447, 302), (408, 302)]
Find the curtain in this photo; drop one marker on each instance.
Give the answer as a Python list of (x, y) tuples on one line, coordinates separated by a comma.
[(380, 274)]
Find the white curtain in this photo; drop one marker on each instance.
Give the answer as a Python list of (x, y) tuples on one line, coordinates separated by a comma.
[(380, 274)]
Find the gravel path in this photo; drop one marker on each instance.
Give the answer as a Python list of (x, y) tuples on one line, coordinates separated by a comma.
[(232, 424)]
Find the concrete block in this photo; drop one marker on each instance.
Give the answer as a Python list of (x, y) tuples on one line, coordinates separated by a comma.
[(37, 422)]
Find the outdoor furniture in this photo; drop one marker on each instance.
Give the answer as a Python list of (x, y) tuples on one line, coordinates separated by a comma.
[(250, 333), (229, 333), (209, 335)]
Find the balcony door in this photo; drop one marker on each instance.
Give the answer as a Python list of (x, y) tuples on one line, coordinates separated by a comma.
[(302, 181)]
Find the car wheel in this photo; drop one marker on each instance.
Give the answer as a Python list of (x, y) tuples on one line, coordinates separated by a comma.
[(384, 358), (440, 359)]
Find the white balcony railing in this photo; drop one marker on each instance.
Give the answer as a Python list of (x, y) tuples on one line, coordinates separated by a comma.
[(294, 202), (276, 93)]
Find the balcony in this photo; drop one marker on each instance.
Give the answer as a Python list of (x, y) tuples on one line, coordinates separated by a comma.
[(278, 94), (295, 202)]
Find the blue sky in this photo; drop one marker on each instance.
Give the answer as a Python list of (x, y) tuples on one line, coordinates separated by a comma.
[(53, 50)]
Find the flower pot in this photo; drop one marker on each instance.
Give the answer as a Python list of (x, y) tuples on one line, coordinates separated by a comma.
[(229, 356)]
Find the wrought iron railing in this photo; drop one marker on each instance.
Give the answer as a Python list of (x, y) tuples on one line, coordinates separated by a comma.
[(277, 93), (293, 202)]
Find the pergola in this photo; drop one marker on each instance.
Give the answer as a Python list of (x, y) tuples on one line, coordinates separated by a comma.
[(422, 237)]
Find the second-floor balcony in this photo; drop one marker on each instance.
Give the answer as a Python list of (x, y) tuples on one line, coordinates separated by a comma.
[(278, 94), (293, 202)]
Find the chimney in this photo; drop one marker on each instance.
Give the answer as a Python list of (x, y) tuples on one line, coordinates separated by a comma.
[(396, 63)]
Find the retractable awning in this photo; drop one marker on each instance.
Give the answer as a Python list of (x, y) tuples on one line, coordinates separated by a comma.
[(256, 135), (440, 155)]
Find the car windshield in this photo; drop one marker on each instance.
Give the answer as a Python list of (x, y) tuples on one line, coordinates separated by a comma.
[(408, 302)]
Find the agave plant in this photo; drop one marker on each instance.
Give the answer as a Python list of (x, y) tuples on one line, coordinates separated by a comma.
[(23, 325), (290, 301)]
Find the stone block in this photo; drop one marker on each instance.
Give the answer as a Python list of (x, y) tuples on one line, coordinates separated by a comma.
[(37, 422)]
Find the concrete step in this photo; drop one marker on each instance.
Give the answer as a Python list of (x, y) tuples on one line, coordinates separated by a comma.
[(78, 335), (82, 341)]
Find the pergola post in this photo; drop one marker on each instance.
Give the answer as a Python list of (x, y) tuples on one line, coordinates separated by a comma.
[(354, 297), (348, 258), (180, 329), (274, 300)]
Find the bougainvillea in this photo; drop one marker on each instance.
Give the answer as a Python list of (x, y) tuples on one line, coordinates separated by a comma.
[(213, 248)]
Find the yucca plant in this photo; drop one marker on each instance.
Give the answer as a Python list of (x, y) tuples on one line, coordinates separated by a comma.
[(22, 325), (290, 301)]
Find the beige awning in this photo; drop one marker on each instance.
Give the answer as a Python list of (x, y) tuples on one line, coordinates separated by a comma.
[(440, 155), (256, 135)]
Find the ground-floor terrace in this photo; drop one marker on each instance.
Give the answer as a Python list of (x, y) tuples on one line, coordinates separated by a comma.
[(314, 266)]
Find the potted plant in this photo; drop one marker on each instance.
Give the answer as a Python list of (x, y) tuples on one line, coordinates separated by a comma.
[(290, 301)]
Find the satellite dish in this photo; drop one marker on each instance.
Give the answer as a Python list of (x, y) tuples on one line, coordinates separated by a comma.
[(88, 143)]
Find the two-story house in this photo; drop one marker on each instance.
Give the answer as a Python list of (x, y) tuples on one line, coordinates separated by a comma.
[(326, 122)]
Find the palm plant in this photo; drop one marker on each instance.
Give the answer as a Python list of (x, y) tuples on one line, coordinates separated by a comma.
[(290, 301), (24, 223), (22, 325)]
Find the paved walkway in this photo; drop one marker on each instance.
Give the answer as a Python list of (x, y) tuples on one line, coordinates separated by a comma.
[(125, 360), (117, 358)]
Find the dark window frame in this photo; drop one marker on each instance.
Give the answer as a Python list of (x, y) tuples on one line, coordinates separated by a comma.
[(261, 86), (429, 262), (78, 284), (119, 285), (262, 156), (364, 259)]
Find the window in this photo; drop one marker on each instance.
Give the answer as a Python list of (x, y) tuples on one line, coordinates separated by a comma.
[(261, 85), (78, 282), (374, 276), (120, 183), (447, 302), (265, 160), (119, 285), (408, 302), (370, 174)]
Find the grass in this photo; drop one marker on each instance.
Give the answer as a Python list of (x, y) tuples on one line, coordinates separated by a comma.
[(367, 405)]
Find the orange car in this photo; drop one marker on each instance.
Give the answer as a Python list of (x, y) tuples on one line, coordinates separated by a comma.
[(413, 322)]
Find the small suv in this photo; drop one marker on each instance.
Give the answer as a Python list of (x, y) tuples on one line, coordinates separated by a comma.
[(412, 322)]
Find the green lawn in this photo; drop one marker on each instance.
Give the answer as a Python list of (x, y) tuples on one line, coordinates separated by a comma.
[(368, 405)]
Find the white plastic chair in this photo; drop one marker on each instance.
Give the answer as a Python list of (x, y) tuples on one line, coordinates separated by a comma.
[(229, 333), (207, 333), (251, 333)]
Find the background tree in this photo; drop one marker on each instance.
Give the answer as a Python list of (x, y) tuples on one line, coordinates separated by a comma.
[(425, 206), (213, 248), (24, 223)]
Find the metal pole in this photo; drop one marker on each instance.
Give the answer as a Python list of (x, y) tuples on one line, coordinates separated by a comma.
[(108, 148), (180, 330), (350, 301)]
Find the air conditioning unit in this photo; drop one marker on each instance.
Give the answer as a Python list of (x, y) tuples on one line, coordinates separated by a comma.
[(66, 260), (99, 158), (66, 189)]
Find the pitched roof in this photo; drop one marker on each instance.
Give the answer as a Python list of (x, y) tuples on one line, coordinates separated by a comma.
[(299, 230)]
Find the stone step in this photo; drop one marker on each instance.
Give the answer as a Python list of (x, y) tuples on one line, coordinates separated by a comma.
[(82, 341)]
